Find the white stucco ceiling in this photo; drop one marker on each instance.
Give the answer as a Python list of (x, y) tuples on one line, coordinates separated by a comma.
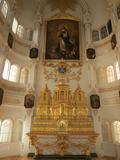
[(26, 9)]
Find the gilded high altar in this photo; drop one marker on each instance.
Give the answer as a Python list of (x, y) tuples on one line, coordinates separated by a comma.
[(61, 124)]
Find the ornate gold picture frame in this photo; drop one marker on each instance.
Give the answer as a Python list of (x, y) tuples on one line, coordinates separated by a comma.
[(63, 39)]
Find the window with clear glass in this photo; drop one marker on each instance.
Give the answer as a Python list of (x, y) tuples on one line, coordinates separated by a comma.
[(103, 31), (4, 8), (13, 73), (101, 75), (14, 25), (23, 75), (116, 131), (110, 74), (6, 70), (95, 35), (6, 131), (118, 11), (29, 34), (20, 31), (109, 26), (117, 70)]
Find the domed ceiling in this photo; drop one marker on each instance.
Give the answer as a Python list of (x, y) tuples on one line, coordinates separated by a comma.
[(26, 9), (62, 4)]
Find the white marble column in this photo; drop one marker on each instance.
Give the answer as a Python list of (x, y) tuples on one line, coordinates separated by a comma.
[(117, 52), (3, 55), (89, 44), (92, 75), (37, 29), (26, 148), (88, 30), (32, 74), (96, 114), (27, 127)]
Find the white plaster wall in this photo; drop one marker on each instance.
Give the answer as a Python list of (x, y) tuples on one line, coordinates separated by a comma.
[(105, 56), (10, 149), (10, 112), (110, 100), (15, 113)]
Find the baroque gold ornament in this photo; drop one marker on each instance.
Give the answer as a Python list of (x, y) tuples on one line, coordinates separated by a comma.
[(61, 121)]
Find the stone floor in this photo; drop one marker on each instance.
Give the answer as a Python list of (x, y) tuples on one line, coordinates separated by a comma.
[(26, 158)]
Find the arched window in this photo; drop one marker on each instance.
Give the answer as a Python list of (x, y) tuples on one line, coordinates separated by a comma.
[(95, 35), (24, 76), (6, 131), (20, 31), (6, 70), (116, 131), (110, 74), (29, 34), (117, 70), (14, 25), (14, 73), (118, 11), (4, 8), (101, 75), (103, 31), (109, 26)]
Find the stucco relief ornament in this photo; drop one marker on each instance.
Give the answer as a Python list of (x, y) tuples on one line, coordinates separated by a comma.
[(29, 112), (62, 67), (87, 17), (50, 74), (39, 19), (30, 90), (62, 70), (95, 112)]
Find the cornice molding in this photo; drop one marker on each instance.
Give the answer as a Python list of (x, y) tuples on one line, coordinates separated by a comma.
[(7, 85), (22, 42), (110, 89), (103, 42)]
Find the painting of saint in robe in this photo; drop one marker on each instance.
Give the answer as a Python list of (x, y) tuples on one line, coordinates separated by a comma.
[(66, 45), (63, 41)]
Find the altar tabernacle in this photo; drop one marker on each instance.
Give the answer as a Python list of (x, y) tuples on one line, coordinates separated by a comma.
[(61, 124)]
